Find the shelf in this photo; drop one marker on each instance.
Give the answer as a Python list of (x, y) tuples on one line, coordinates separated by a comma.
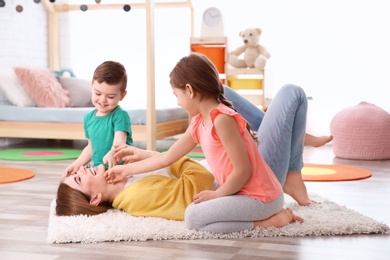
[(208, 40), (248, 82), (244, 71), (254, 92), (255, 96)]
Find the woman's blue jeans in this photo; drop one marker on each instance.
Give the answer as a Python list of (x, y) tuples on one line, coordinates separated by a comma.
[(281, 130)]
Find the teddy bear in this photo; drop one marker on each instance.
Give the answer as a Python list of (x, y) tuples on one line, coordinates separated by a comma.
[(255, 55)]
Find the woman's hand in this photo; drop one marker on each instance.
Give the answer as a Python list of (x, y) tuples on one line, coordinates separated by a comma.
[(115, 174), (130, 154), (204, 196)]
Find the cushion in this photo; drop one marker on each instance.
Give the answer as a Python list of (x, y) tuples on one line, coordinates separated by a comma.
[(3, 99), (361, 132), (12, 90), (43, 87), (63, 73), (79, 91)]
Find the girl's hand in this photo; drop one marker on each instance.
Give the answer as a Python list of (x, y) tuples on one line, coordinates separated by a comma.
[(124, 153), (130, 154), (204, 196), (117, 148), (115, 174)]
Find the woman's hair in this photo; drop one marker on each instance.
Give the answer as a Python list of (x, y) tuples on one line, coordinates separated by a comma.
[(72, 202), (111, 72), (198, 71)]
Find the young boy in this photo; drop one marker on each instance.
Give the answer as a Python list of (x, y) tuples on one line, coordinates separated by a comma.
[(108, 125)]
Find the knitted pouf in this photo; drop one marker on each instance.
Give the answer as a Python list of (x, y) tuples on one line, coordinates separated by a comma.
[(361, 132)]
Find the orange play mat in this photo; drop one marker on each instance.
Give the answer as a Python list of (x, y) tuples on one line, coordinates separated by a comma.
[(325, 172), (14, 174)]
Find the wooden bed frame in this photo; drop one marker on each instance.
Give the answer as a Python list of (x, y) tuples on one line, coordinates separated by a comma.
[(75, 131), (149, 132)]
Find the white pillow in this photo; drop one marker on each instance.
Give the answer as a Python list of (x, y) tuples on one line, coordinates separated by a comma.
[(13, 90), (3, 99), (79, 91)]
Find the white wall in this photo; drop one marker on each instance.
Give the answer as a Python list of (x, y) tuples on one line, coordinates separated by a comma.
[(121, 36), (23, 36), (23, 39), (336, 50)]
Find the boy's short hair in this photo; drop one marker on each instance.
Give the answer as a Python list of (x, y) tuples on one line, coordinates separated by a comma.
[(111, 72)]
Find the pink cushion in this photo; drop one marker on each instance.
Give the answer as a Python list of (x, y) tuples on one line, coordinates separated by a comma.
[(361, 132), (43, 87)]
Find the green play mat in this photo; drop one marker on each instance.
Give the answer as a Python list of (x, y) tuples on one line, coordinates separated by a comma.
[(39, 154)]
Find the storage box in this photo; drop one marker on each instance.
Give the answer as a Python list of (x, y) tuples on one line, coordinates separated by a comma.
[(239, 83), (215, 52)]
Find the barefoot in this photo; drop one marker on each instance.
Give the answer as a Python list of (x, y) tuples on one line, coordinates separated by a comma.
[(280, 219), (295, 218), (317, 141), (295, 187)]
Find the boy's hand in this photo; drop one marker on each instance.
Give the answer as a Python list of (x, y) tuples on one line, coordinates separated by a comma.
[(109, 159), (115, 174), (70, 170)]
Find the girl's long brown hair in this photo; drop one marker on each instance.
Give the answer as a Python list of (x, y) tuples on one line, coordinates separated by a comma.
[(72, 202), (198, 71)]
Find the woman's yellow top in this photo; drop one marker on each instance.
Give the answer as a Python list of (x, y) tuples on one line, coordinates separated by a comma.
[(164, 197)]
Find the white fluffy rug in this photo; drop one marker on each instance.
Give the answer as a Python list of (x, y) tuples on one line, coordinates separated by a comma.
[(325, 218)]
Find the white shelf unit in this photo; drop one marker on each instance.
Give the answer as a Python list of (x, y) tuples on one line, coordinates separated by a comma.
[(248, 82)]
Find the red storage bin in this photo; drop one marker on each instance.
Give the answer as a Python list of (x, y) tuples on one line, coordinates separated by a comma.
[(216, 53)]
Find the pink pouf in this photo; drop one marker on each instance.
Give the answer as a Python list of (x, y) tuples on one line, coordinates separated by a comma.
[(361, 132)]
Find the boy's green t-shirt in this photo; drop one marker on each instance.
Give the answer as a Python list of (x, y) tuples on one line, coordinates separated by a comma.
[(100, 130)]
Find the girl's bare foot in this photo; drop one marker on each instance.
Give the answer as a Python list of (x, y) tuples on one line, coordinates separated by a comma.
[(295, 187), (317, 141), (280, 219)]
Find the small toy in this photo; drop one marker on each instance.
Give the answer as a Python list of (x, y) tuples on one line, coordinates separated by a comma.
[(255, 55)]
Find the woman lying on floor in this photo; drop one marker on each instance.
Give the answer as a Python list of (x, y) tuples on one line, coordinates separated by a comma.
[(164, 193)]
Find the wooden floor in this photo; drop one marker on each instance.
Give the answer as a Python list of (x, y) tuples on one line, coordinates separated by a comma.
[(24, 209)]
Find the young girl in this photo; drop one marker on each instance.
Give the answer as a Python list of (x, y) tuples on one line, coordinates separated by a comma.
[(281, 130), (249, 195)]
